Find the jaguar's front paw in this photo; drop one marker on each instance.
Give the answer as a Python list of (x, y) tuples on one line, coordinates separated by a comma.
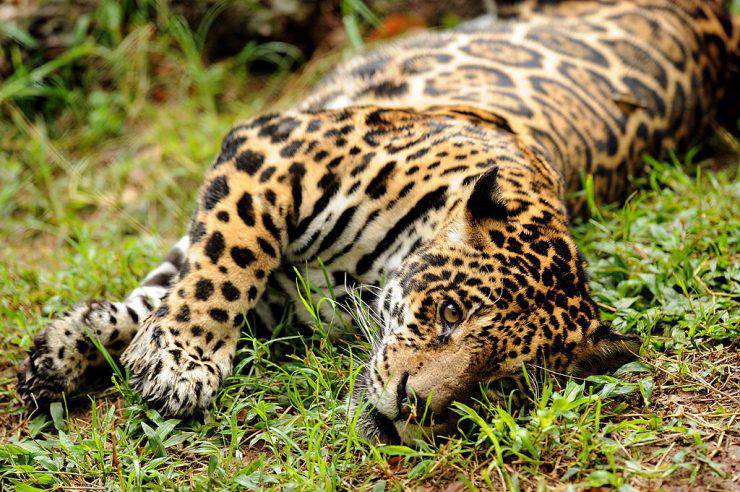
[(62, 354), (168, 377)]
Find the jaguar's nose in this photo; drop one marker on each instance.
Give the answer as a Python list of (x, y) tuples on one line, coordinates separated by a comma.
[(411, 405), (403, 397)]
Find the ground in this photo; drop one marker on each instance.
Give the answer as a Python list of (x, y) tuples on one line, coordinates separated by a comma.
[(97, 179)]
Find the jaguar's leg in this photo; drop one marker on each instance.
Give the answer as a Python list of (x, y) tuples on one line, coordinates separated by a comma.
[(63, 358), (186, 347)]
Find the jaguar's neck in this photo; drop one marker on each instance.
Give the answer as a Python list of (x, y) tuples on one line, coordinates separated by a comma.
[(525, 171), (531, 189), (375, 183)]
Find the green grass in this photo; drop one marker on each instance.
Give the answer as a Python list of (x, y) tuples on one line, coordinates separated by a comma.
[(97, 179)]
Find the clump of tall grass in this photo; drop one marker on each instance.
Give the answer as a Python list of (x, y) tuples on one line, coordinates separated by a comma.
[(125, 53)]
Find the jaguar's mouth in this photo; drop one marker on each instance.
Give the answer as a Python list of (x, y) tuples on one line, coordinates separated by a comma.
[(413, 420), (407, 431), (379, 428)]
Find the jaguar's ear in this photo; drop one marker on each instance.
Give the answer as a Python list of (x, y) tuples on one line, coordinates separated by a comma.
[(485, 201), (606, 351)]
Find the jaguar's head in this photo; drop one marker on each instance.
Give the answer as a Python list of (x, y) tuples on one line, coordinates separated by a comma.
[(501, 286)]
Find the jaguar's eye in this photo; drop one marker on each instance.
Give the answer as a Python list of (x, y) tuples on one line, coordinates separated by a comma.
[(451, 313)]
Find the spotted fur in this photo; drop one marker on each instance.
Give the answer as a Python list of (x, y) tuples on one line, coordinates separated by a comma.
[(439, 163)]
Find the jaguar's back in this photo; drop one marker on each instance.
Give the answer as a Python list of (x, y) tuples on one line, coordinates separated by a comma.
[(589, 84)]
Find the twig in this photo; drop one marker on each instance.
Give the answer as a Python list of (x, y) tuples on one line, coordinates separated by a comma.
[(116, 464)]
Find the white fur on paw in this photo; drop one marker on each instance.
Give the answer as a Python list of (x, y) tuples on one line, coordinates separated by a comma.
[(167, 377), (62, 353)]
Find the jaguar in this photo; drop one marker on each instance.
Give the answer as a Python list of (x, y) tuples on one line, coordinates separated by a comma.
[(439, 169)]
